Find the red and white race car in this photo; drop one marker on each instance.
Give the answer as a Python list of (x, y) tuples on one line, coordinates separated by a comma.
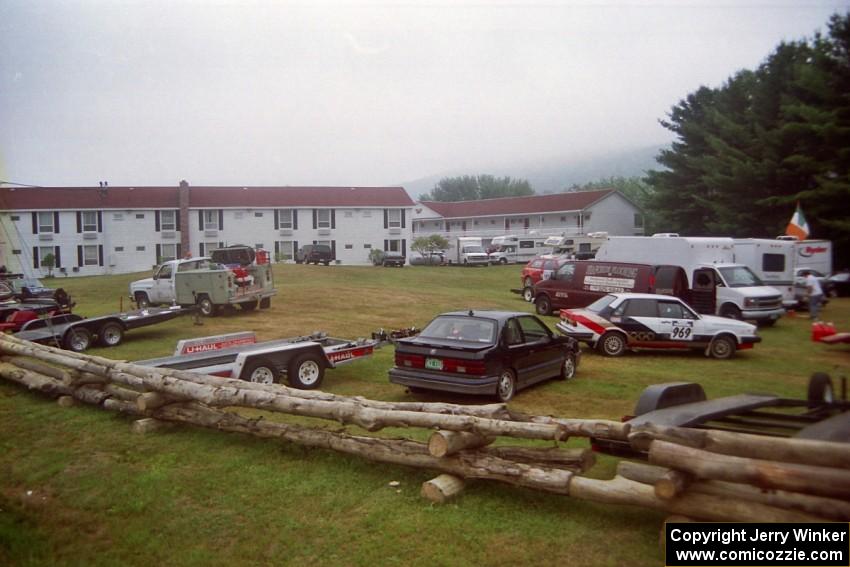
[(621, 321)]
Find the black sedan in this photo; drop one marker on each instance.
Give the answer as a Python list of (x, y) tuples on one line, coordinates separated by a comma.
[(483, 352)]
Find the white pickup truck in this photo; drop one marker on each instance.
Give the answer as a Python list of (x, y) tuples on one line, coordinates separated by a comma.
[(209, 283)]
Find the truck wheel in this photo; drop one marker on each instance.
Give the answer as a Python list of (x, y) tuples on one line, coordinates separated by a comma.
[(722, 348), (142, 300), (77, 339), (248, 305), (543, 305), (730, 311), (265, 303), (820, 390), (260, 371), (111, 334), (206, 306), (306, 372), (612, 344), (503, 261), (506, 386), (528, 293)]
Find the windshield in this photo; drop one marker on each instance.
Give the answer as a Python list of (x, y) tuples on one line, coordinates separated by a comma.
[(601, 303), (473, 250), (460, 328), (740, 276)]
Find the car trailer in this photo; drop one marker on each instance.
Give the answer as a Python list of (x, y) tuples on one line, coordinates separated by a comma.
[(300, 360), (76, 333)]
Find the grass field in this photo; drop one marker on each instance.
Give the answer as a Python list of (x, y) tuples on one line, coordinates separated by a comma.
[(77, 488)]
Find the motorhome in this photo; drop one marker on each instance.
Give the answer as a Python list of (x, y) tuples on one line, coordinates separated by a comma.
[(718, 284), (578, 247), (772, 260), (511, 249), (468, 251)]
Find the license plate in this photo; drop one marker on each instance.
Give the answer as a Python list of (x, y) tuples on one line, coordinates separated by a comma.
[(434, 363)]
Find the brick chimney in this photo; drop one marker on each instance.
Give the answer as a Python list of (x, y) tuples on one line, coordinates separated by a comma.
[(185, 245)]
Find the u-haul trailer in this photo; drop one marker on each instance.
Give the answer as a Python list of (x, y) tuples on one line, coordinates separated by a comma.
[(300, 360)]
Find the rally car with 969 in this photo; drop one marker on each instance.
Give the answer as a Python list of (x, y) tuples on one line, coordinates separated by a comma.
[(621, 321)]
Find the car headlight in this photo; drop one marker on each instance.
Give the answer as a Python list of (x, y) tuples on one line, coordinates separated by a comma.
[(750, 302)]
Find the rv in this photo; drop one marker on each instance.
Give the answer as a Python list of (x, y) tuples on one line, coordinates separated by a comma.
[(578, 247), (718, 284), (512, 249), (772, 261), (469, 252)]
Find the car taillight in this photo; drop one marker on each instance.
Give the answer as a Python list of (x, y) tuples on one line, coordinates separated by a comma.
[(410, 360), (464, 366)]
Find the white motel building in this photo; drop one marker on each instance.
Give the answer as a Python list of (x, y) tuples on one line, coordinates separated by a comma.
[(113, 230)]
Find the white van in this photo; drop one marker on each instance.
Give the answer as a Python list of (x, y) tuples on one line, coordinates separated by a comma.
[(718, 284)]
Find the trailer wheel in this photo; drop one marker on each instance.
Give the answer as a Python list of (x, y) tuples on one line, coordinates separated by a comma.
[(77, 339), (142, 300), (111, 334), (820, 390), (206, 306), (260, 371), (248, 305), (306, 372)]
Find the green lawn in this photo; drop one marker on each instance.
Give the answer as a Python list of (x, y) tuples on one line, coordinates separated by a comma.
[(77, 488)]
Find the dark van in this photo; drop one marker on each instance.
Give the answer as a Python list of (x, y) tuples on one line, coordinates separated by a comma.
[(580, 283)]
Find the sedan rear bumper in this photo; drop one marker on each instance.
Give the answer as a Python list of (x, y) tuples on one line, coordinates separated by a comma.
[(574, 332), (457, 383)]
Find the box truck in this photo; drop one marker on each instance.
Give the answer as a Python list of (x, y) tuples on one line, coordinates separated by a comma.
[(469, 252), (772, 261), (718, 285)]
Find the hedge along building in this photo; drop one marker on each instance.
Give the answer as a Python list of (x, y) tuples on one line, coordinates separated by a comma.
[(567, 214), (102, 230)]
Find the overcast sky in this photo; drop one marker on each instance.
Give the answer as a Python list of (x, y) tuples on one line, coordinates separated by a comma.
[(377, 93)]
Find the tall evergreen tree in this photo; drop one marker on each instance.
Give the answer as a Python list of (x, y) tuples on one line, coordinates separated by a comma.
[(747, 151)]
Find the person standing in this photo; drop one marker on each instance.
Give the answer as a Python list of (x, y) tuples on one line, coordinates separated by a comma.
[(815, 295)]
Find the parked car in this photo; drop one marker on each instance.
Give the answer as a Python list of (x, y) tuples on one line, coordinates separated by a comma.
[(393, 259), (427, 259), (621, 321), (314, 254), (483, 352), (577, 284), (840, 284), (821, 416), (25, 288), (538, 269), (801, 292)]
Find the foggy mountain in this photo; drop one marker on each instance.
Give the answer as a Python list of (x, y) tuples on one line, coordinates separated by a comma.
[(553, 176)]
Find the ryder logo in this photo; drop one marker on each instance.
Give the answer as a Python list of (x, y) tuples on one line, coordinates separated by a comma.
[(810, 251)]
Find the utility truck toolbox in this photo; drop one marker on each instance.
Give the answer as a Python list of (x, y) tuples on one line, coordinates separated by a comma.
[(301, 360)]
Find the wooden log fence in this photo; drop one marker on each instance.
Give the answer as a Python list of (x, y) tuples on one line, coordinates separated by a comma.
[(697, 474)]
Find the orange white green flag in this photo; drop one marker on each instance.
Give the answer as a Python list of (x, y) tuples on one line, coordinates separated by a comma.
[(798, 226)]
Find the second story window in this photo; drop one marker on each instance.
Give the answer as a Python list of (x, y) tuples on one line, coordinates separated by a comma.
[(211, 220), (394, 218), (45, 222), (89, 221), (284, 218), (168, 220), (323, 218)]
